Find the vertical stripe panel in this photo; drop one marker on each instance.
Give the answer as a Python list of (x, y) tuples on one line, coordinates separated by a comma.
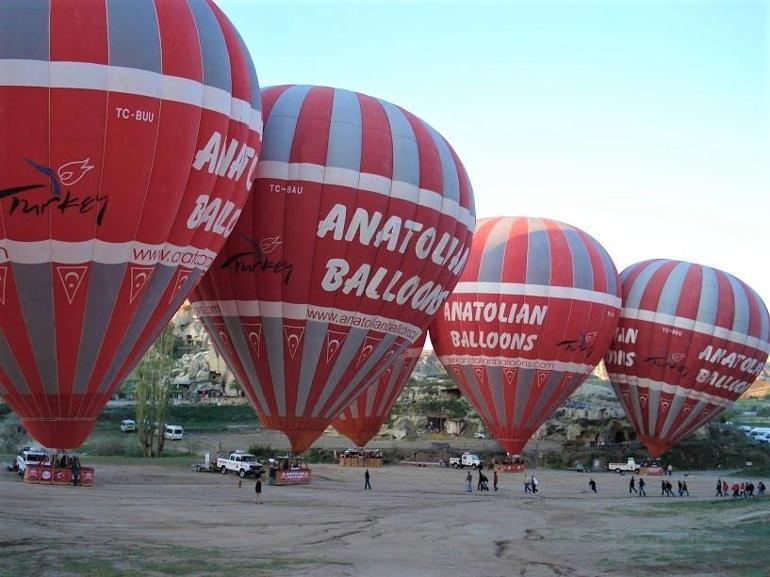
[(672, 289), (24, 29), (103, 288), (741, 317), (255, 100), (280, 125), (216, 59), (609, 270), (708, 305), (11, 368), (315, 334), (491, 266), (273, 331), (538, 254), (451, 180), (345, 132), (406, 156), (582, 271), (134, 37), (35, 292)]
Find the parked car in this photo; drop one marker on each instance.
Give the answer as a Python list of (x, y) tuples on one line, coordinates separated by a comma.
[(174, 433), (128, 426)]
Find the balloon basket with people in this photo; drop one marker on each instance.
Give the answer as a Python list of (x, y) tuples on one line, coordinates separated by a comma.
[(289, 470), (510, 464), (368, 458), (59, 469)]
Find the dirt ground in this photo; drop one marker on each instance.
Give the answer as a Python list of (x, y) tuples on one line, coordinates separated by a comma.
[(160, 520)]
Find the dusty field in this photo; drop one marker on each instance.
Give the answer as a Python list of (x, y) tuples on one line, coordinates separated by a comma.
[(164, 520)]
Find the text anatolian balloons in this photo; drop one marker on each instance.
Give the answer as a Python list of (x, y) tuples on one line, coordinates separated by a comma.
[(362, 224), (532, 315), (130, 134), (362, 419), (690, 340)]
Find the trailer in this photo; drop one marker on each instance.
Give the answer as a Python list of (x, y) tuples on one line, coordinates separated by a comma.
[(361, 458)]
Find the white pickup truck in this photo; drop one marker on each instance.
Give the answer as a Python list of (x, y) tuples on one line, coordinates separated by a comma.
[(467, 460), (241, 463), (29, 456), (629, 466)]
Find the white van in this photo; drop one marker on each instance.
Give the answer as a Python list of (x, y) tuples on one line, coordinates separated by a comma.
[(128, 426), (759, 431), (174, 432)]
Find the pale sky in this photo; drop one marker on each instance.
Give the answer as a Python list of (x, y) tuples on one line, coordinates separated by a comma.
[(645, 123)]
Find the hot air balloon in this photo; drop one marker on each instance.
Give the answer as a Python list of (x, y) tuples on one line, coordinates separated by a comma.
[(691, 339), (362, 419), (131, 132), (532, 315), (363, 225)]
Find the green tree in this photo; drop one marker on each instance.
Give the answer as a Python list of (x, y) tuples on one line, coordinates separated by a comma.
[(153, 393)]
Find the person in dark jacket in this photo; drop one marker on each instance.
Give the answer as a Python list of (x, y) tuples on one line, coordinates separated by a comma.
[(592, 484), (367, 484), (258, 490)]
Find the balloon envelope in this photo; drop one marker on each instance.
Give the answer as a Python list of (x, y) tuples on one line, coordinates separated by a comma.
[(691, 339), (362, 419), (532, 315), (362, 225), (130, 131)]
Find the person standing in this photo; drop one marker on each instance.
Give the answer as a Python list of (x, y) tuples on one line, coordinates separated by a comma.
[(679, 488), (642, 484), (632, 486), (494, 479), (367, 484), (670, 470), (685, 491), (469, 483), (75, 469), (592, 484), (258, 490), (663, 487), (719, 488), (725, 489)]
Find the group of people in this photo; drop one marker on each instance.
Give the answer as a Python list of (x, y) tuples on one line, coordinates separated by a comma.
[(483, 482), (71, 462), (740, 490), (667, 489), (632, 486), (530, 484)]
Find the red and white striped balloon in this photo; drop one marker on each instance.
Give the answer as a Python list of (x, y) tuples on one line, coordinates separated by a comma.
[(691, 339), (131, 132), (359, 227), (532, 315)]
